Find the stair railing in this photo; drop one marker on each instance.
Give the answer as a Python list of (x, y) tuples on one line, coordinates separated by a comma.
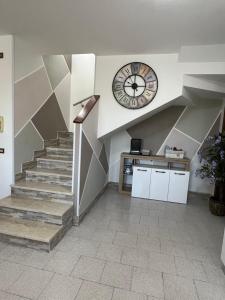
[(88, 105)]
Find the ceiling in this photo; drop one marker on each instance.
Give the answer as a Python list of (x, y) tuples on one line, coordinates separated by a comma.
[(107, 27)]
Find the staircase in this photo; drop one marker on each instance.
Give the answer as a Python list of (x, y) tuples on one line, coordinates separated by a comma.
[(40, 209)]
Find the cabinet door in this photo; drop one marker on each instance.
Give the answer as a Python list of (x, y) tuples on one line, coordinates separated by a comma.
[(178, 186), (159, 184), (141, 182)]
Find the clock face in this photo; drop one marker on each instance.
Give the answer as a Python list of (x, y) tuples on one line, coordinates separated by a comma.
[(135, 85)]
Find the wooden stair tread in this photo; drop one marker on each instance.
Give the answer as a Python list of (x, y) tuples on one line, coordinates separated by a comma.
[(31, 205), (68, 148), (43, 187), (26, 229), (56, 172), (55, 158)]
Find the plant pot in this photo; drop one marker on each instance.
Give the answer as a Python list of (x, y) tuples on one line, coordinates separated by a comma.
[(216, 207)]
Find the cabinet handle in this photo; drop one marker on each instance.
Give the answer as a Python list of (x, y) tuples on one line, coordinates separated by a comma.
[(141, 170), (179, 173), (160, 171)]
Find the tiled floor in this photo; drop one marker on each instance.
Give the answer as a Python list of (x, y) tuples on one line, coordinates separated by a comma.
[(125, 249)]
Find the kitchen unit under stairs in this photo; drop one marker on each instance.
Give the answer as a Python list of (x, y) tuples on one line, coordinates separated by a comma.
[(40, 209)]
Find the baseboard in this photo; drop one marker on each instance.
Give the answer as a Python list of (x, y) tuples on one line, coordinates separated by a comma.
[(78, 219)]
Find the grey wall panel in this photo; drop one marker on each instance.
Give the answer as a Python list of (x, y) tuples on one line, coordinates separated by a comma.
[(30, 93), (180, 140), (103, 159), (94, 184), (86, 154), (56, 67), (154, 130), (198, 118), (49, 119), (68, 59), (215, 130), (26, 142)]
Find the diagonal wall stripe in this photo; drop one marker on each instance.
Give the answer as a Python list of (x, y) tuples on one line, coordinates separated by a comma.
[(86, 154), (179, 140), (103, 159), (26, 142), (56, 68), (198, 118), (155, 129), (30, 94), (49, 119)]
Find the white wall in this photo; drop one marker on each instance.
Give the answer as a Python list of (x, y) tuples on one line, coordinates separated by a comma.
[(111, 114), (26, 60), (82, 81), (6, 110)]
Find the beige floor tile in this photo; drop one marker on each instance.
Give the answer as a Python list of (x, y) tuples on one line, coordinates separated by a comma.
[(192, 269), (31, 283), (148, 282), (179, 288), (62, 262), (94, 291), (120, 294), (103, 235), (9, 273), (125, 239), (61, 288), (16, 254), (214, 274), (150, 244), (173, 248), (208, 291), (135, 257), (161, 262), (109, 252), (117, 275), (89, 268), (149, 220), (7, 296)]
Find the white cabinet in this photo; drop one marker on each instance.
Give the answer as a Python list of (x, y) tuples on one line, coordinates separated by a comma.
[(141, 182), (159, 184), (178, 186)]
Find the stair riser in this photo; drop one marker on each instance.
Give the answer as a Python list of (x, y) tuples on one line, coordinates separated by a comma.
[(59, 157), (37, 216), (39, 195), (38, 245), (58, 165), (54, 179), (59, 152), (66, 141), (62, 134)]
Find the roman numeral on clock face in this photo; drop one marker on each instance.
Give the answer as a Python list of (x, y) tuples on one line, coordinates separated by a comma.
[(135, 85)]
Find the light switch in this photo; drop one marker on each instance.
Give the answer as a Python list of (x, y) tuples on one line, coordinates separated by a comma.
[(1, 124)]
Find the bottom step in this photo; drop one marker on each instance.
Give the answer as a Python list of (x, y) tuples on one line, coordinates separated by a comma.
[(32, 234)]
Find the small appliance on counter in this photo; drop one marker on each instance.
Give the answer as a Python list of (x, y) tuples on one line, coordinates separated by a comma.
[(146, 152), (135, 146), (173, 152)]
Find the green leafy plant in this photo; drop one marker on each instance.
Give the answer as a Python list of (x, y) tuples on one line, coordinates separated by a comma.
[(212, 159)]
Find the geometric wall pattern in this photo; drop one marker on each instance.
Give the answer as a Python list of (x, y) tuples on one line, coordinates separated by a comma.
[(26, 142), (94, 162), (49, 119), (42, 100), (187, 129), (154, 130), (198, 119)]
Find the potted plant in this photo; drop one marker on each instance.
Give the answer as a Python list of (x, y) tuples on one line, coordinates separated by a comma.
[(212, 157)]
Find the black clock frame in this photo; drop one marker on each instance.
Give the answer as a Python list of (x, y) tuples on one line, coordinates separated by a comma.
[(135, 62)]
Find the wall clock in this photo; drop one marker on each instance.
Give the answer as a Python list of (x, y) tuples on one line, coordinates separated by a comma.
[(135, 85)]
